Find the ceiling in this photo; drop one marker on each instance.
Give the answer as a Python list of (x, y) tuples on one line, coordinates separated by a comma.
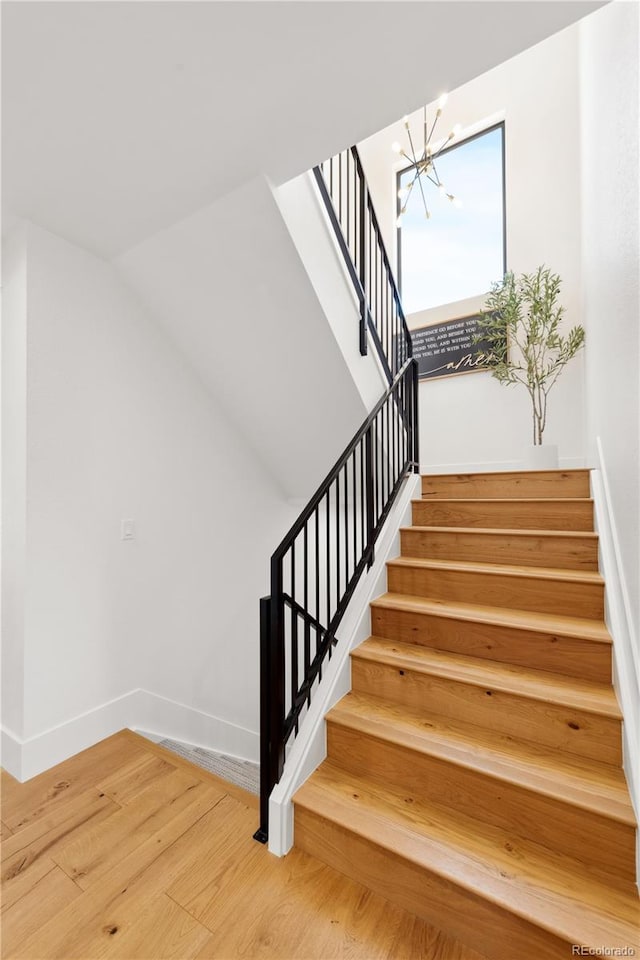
[(121, 118)]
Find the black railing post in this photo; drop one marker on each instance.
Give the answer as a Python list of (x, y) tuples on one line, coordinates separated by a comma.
[(276, 717), (416, 436), (262, 833), (272, 682), (368, 475)]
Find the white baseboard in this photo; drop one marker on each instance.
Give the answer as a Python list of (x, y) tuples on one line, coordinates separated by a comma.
[(309, 748), (494, 466), (167, 718), (11, 753), (626, 670), (139, 709), (148, 735), (32, 755)]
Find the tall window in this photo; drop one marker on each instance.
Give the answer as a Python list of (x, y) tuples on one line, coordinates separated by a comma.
[(460, 251)]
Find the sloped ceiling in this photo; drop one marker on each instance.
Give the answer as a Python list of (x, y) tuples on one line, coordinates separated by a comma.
[(121, 118)]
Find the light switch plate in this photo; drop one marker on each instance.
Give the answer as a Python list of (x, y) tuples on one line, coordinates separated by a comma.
[(128, 530)]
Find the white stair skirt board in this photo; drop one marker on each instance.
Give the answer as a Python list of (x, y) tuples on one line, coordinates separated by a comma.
[(310, 748), (626, 672), (139, 709)]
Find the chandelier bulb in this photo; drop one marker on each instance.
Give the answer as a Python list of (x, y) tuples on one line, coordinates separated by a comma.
[(442, 99), (457, 202), (396, 147), (456, 130), (399, 221)]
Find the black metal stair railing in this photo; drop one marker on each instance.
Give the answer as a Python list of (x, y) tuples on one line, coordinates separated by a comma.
[(345, 193), (316, 568)]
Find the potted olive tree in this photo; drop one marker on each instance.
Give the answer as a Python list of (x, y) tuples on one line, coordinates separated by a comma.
[(520, 329)]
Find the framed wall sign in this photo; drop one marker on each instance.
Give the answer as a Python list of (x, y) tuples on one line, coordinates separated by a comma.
[(448, 349)]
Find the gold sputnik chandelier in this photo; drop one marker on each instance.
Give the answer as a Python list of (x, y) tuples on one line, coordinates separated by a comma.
[(424, 166)]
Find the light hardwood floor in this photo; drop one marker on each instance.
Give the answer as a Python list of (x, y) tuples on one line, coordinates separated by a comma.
[(126, 851)]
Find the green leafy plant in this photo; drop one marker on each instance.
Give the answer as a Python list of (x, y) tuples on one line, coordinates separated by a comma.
[(520, 329)]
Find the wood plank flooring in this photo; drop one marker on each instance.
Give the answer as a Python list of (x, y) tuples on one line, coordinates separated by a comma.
[(127, 851)]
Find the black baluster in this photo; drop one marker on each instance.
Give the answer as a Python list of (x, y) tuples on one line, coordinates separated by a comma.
[(363, 270), (328, 558), (307, 625), (317, 516), (347, 504), (416, 452), (337, 539), (294, 631), (363, 500), (355, 510)]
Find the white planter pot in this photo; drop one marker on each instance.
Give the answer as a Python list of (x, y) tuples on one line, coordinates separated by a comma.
[(541, 457)]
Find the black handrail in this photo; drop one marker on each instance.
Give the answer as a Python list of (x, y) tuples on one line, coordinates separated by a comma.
[(345, 193), (316, 568)]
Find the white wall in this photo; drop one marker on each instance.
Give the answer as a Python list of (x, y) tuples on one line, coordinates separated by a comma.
[(609, 75), (611, 252), (14, 436), (181, 103), (230, 287), (306, 218), (471, 421), (198, 433), (121, 427)]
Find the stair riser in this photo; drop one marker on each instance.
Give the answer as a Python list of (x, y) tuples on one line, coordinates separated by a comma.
[(517, 484), (554, 515), (546, 820), (570, 656), (569, 730), (499, 590), (447, 906), (566, 553)]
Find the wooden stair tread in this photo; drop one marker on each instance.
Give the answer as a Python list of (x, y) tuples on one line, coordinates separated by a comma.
[(506, 532), (502, 569), (456, 783), (586, 695), (542, 500), (563, 625), (588, 784), (502, 474), (551, 891)]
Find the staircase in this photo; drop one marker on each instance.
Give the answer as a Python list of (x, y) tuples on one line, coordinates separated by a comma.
[(474, 772)]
